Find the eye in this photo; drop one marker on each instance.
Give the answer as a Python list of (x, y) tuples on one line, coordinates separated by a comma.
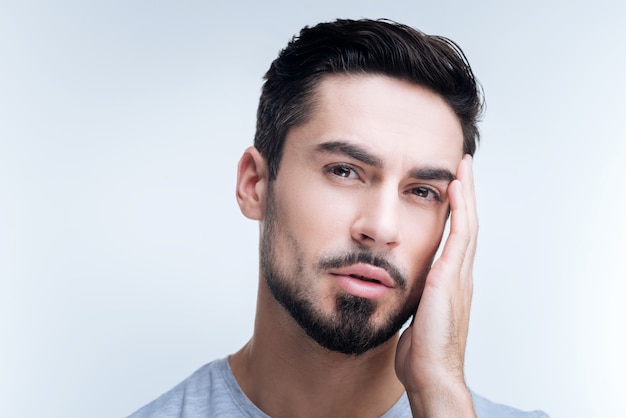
[(343, 171), (426, 193)]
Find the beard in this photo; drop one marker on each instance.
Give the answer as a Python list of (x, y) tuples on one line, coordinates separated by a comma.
[(350, 328)]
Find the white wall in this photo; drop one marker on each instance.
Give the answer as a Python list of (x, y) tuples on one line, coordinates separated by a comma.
[(125, 263)]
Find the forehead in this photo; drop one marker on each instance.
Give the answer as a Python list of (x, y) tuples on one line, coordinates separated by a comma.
[(398, 121)]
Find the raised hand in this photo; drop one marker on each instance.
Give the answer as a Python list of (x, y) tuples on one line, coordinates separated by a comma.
[(430, 353)]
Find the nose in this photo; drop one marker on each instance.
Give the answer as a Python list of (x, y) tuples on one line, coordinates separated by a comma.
[(377, 223)]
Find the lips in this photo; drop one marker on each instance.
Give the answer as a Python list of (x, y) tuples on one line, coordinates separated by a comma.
[(366, 272), (363, 280)]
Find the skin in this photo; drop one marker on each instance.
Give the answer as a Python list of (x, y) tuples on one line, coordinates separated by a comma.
[(329, 198)]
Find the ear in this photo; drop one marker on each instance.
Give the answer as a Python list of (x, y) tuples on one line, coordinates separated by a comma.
[(252, 182)]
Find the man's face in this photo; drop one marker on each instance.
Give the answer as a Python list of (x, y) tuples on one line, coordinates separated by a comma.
[(357, 211)]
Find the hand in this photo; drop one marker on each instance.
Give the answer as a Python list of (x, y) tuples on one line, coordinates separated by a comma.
[(430, 353)]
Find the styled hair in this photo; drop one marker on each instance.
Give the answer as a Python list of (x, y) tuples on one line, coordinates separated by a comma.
[(380, 47)]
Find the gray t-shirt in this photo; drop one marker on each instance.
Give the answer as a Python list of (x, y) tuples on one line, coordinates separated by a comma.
[(212, 391)]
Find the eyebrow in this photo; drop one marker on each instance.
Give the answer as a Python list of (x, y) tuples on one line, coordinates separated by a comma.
[(431, 173), (360, 154), (353, 151)]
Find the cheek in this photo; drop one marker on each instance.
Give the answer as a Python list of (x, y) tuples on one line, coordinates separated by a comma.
[(318, 215), (422, 236)]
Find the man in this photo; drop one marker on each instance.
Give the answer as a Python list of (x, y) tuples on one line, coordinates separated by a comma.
[(363, 148)]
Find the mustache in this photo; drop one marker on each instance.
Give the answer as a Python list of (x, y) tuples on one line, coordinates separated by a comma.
[(365, 257)]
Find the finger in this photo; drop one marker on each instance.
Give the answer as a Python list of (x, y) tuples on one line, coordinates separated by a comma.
[(465, 175), (455, 248)]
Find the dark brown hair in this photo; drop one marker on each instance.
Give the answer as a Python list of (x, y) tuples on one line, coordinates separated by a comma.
[(361, 47)]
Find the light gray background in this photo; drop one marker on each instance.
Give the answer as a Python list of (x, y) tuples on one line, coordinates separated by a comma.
[(125, 263)]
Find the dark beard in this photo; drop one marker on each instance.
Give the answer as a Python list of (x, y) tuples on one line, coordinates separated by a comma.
[(350, 329)]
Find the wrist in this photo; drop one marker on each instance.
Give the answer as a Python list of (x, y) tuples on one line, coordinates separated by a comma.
[(451, 399)]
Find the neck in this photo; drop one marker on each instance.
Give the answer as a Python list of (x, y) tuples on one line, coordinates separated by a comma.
[(285, 373)]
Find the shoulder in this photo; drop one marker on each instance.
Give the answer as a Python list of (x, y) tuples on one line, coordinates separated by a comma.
[(194, 396), (483, 407), (487, 409)]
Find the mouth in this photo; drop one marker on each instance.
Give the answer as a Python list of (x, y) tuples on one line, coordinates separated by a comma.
[(367, 273), (363, 280)]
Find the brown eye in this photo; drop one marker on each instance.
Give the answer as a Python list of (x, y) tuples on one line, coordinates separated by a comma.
[(342, 171), (426, 193), (422, 192)]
